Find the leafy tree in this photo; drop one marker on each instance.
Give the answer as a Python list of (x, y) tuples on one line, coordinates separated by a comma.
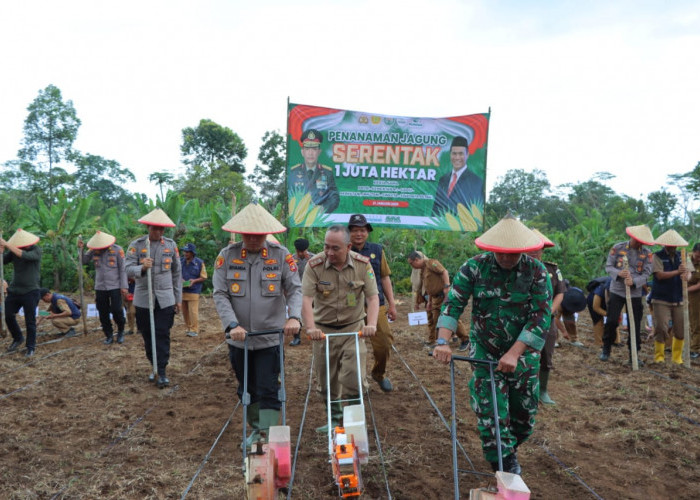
[(49, 132), (519, 192), (106, 177), (661, 205), (214, 157), (213, 146), (270, 175)]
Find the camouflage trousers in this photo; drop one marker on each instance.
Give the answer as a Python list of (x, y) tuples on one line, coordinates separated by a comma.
[(517, 395)]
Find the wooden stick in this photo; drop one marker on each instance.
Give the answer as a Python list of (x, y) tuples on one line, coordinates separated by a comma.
[(83, 312), (151, 307), (686, 315), (232, 238), (630, 320)]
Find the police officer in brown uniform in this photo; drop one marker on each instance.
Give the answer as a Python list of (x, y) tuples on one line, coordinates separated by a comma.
[(336, 285), (435, 283), (381, 343), (256, 285), (164, 262), (111, 285)]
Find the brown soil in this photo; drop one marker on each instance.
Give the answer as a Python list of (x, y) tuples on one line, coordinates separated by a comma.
[(81, 421)]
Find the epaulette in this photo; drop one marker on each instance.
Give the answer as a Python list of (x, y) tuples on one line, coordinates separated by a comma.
[(327, 167), (316, 260), (550, 263), (295, 166), (360, 257)]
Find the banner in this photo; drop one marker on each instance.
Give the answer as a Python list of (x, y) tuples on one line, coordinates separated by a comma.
[(423, 173)]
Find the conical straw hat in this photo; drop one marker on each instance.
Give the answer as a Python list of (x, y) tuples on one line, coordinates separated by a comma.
[(509, 236), (671, 239), (100, 240), (546, 241), (641, 233), (157, 217), (253, 219), (22, 239)]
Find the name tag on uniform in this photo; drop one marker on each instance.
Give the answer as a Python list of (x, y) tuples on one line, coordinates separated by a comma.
[(352, 299)]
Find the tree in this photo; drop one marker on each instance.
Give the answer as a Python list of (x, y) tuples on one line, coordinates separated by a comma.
[(49, 132), (161, 178), (213, 146), (214, 157), (662, 204), (106, 177), (270, 175), (519, 192)]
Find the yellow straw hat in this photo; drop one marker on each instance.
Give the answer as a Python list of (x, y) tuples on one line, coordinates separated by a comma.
[(253, 219), (157, 217), (509, 235), (641, 233), (546, 241), (22, 239), (100, 240), (671, 239)]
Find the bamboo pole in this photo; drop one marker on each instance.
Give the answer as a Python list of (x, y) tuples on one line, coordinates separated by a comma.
[(686, 315), (232, 238), (83, 312), (630, 321), (150, 311)]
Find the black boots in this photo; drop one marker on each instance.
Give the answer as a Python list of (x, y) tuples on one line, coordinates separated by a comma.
[(510, 464)]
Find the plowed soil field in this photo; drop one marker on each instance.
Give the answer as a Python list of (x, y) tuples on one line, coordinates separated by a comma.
[(80, 420)]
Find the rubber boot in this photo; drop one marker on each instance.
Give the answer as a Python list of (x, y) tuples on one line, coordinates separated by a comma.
[(268, 418), (544, 381), (677, 351), (659, 352), (253, 418), (336, 418)]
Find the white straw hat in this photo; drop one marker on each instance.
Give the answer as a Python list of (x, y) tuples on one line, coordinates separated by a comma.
[(509, 236), (157, 217), (100, 240), (671, 239), (546, 241), (22, 239), (253, 219), (641, 233)]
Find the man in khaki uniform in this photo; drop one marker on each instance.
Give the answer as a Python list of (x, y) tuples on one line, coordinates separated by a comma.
[(63, 313), (336, 285), (257, 288), (435, 282), (164, 262)]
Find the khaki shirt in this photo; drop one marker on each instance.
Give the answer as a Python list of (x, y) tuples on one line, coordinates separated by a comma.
[(256, 290), (432, 277), (165, 273), (339, 296), (110, 273)]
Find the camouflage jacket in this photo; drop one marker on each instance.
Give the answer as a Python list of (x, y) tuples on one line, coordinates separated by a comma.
[(507, 305)]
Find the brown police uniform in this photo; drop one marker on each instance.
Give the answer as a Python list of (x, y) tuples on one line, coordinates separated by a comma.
[(433, 286), (339, 306)]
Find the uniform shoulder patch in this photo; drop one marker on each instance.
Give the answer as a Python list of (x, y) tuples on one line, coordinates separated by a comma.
[(290, 262), (361, 258), (326, 167), (315, 261), (219, 261), (296, 166)]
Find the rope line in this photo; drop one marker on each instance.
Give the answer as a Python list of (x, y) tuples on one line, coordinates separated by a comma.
[(568, 470), (206, 457), (39, 359), (430, 399), (379, 447), (20, 389), (301, 427)]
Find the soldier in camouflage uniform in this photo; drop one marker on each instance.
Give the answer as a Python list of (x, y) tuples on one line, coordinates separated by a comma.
[(511, 313)]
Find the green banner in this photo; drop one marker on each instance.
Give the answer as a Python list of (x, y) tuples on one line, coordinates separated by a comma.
[(426, 173)]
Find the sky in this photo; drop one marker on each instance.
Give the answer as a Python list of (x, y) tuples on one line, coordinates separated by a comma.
[(574, 88)]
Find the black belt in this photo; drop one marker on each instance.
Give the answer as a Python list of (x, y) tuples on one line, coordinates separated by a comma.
[(337, 327)]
